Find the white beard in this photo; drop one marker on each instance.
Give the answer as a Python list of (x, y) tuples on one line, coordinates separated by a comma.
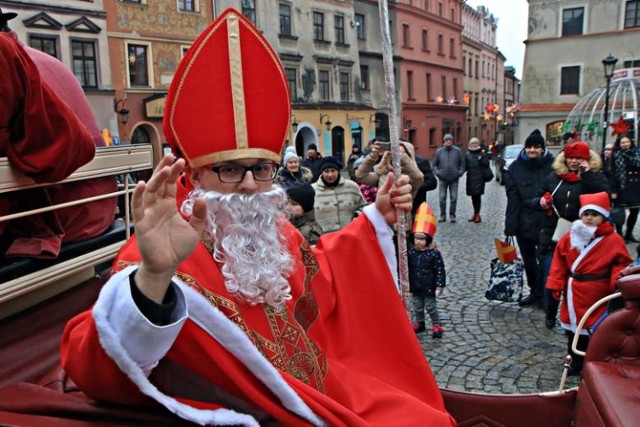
[(581, 235), (254, 259)]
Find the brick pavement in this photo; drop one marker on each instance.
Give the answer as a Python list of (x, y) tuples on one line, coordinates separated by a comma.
[(487, 346)]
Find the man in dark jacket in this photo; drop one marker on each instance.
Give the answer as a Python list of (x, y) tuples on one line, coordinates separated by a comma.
[(448, 165), (524, 215), (313, 160)]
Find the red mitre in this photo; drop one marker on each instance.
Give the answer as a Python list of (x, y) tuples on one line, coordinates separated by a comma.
[(229, 98)]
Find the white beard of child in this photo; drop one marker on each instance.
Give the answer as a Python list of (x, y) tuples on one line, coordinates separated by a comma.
[(581, 235), (247, 243)]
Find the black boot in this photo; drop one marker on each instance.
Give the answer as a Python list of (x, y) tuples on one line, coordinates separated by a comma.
[(528, 300), (420, 328)]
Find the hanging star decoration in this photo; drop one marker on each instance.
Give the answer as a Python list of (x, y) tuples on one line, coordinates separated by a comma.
[(579, 126), (566, 126), (592, 126), (620, 127)]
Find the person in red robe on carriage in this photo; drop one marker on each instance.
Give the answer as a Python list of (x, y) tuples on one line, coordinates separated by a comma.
[(218, 309), (47, 131)]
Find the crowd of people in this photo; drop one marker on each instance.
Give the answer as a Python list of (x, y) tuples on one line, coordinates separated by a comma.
[(217, 289)]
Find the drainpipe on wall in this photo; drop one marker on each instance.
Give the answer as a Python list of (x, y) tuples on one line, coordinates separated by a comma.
[(214, 9)]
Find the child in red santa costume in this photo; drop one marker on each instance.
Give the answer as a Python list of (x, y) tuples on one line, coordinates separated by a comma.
[(586, 264)]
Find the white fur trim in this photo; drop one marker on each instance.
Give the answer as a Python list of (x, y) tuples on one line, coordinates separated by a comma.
[(384, 233), (218, 326), (573, 317), (596, 208)]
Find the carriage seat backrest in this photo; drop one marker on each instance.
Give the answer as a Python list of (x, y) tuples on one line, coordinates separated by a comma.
[(617, 339)]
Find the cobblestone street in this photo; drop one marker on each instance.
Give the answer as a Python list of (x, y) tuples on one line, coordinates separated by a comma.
[(488, 346)]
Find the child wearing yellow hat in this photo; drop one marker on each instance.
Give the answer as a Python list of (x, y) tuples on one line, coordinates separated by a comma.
[(427, 275)]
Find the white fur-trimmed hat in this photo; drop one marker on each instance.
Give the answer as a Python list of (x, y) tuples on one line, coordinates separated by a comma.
[(598, 202)]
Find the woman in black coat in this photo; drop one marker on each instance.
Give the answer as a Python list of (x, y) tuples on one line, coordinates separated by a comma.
[(625, 171), (577, 170), (476, 160)]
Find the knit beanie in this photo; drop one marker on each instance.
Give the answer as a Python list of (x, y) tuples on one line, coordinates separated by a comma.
[(288, 156), (303, 194), (330, 162), (535, 139), (577, 150)]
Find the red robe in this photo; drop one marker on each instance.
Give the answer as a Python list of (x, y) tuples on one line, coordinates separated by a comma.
[(606, 254), (344, 344), (43, 117)]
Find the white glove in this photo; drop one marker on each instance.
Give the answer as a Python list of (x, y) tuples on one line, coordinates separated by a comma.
[(439, 292)]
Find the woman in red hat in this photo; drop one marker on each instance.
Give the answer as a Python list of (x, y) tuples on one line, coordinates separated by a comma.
[(576, 171)]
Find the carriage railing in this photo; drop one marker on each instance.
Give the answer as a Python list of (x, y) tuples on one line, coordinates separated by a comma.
[(38, 285), (587, 314)]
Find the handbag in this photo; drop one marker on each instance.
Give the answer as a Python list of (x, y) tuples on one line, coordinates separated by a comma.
[(506, 281), (563, 226), (487, 174)]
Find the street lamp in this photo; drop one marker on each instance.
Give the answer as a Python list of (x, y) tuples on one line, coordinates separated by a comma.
[(609, 64), (122, 112)]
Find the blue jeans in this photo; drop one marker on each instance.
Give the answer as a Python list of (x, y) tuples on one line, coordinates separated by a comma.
[(452, 186)]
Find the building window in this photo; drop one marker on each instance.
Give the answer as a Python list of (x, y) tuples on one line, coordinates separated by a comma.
[(364, 77), (359, 18), (572, 21), (452, 47), (338, 21), (477, 69), (406, 40), (453, 14), (440, 44), (183, 51), (443, 80), (483, 73), (249, 10), (323, 83), (634, 63), (318, 26), (285, 19), (425, 40), (291, 80), (409, 84), (464, 65), (138, 65), (470, 67), (632, 14), (44, 44), (186, 5), (570, 80), (475, 105), (429, 92), (85, 63), (344, 87), (455, 88), (440, 10)]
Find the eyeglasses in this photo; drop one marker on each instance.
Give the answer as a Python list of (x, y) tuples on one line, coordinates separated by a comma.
[(235, 173)]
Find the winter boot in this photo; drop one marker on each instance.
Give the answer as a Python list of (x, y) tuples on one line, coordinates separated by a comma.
[(473, 218), (437, 331), (419, 327), (477, 218)]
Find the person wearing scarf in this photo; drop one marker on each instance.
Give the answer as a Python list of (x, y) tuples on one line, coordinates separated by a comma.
[(576, 171), (585, 266), (625, 171)]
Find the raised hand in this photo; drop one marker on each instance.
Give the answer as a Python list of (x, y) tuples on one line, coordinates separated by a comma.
[(394, 194), (164, 238)]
